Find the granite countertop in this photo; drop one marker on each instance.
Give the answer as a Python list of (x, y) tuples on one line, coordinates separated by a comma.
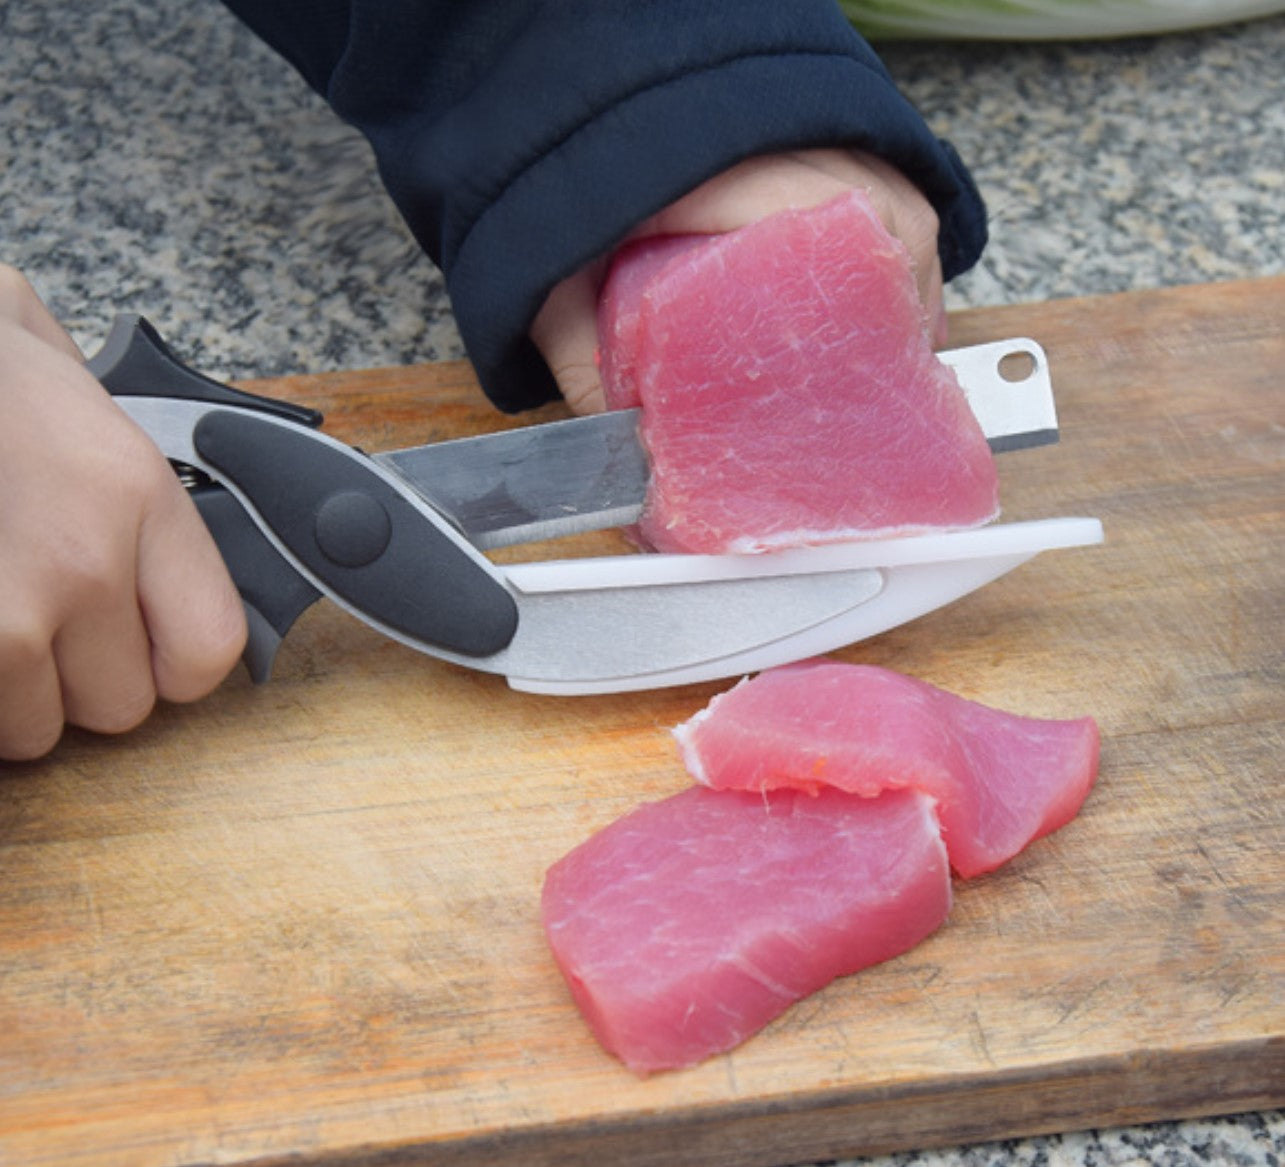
[(154, 157), (157, 158)]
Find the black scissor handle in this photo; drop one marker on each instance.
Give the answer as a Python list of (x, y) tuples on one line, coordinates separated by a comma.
[(370, 545), (307, 515), (135, 362), (273, 592)]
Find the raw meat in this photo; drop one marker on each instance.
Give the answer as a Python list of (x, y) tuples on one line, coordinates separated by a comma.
[(633, 268), (790, 394), (687, 925), (999, 780)]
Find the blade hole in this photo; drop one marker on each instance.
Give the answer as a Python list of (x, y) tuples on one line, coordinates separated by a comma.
[(1017, 367)]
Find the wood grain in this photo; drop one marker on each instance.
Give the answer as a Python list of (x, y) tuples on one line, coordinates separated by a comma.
[(298, 923)]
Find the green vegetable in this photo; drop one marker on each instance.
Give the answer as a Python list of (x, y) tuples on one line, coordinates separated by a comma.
[(1044, 19)]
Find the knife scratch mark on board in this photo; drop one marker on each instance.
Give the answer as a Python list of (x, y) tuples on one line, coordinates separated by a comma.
[(980, 1042)]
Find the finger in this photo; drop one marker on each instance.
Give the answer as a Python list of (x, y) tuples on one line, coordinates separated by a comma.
[(916, 227), (193, 615), (926, 264), (938, 320), (31, 713), (566, 333), (104, 665), (100, 647), (20, 303), (910, 218)]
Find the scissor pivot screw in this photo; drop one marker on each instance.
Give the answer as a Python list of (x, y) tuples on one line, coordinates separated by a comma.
[(352, 528)]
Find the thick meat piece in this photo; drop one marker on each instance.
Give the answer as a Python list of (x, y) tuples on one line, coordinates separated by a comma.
[(790, 394), (999, 780), (687, 925)]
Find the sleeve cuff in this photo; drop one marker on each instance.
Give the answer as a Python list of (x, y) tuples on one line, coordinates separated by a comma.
[(576, 201)]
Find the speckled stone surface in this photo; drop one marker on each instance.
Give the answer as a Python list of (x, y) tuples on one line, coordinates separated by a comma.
[(154, 157), (1256, 1140), (1115, 165)]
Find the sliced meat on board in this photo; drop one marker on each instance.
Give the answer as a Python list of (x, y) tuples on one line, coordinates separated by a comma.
[(999, 780), (834, 800), (689, 924)]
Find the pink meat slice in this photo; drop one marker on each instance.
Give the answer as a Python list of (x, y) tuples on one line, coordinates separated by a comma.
[(790, 394), (633, 268), (999, 780), (686, 926)]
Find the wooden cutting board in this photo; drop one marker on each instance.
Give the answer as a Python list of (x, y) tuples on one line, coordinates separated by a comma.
[(298, 923)]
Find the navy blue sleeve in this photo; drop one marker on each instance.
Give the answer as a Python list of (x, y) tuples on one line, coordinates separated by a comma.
[(522, 139)]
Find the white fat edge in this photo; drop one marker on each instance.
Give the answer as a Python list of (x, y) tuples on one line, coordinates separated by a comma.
[(927, 805), (685, 733), (820, 537)]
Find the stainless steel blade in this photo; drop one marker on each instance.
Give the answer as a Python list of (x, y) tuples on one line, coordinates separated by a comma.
[(1009, 390), (588, 473), (533, 483)]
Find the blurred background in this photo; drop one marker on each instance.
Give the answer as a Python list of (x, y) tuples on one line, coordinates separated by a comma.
[(155, 157)]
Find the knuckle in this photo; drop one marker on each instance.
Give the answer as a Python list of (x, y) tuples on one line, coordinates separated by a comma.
[(25, 644), (90, 572), (144, 470), (28, 699)]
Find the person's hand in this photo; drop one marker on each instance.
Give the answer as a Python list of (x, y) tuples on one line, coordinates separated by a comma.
[(112, 592), (566, 331)]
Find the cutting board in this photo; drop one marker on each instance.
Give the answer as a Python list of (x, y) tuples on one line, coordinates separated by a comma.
[(298, 922)]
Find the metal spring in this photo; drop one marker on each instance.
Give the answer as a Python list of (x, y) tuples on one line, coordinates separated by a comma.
[(190, 476)]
